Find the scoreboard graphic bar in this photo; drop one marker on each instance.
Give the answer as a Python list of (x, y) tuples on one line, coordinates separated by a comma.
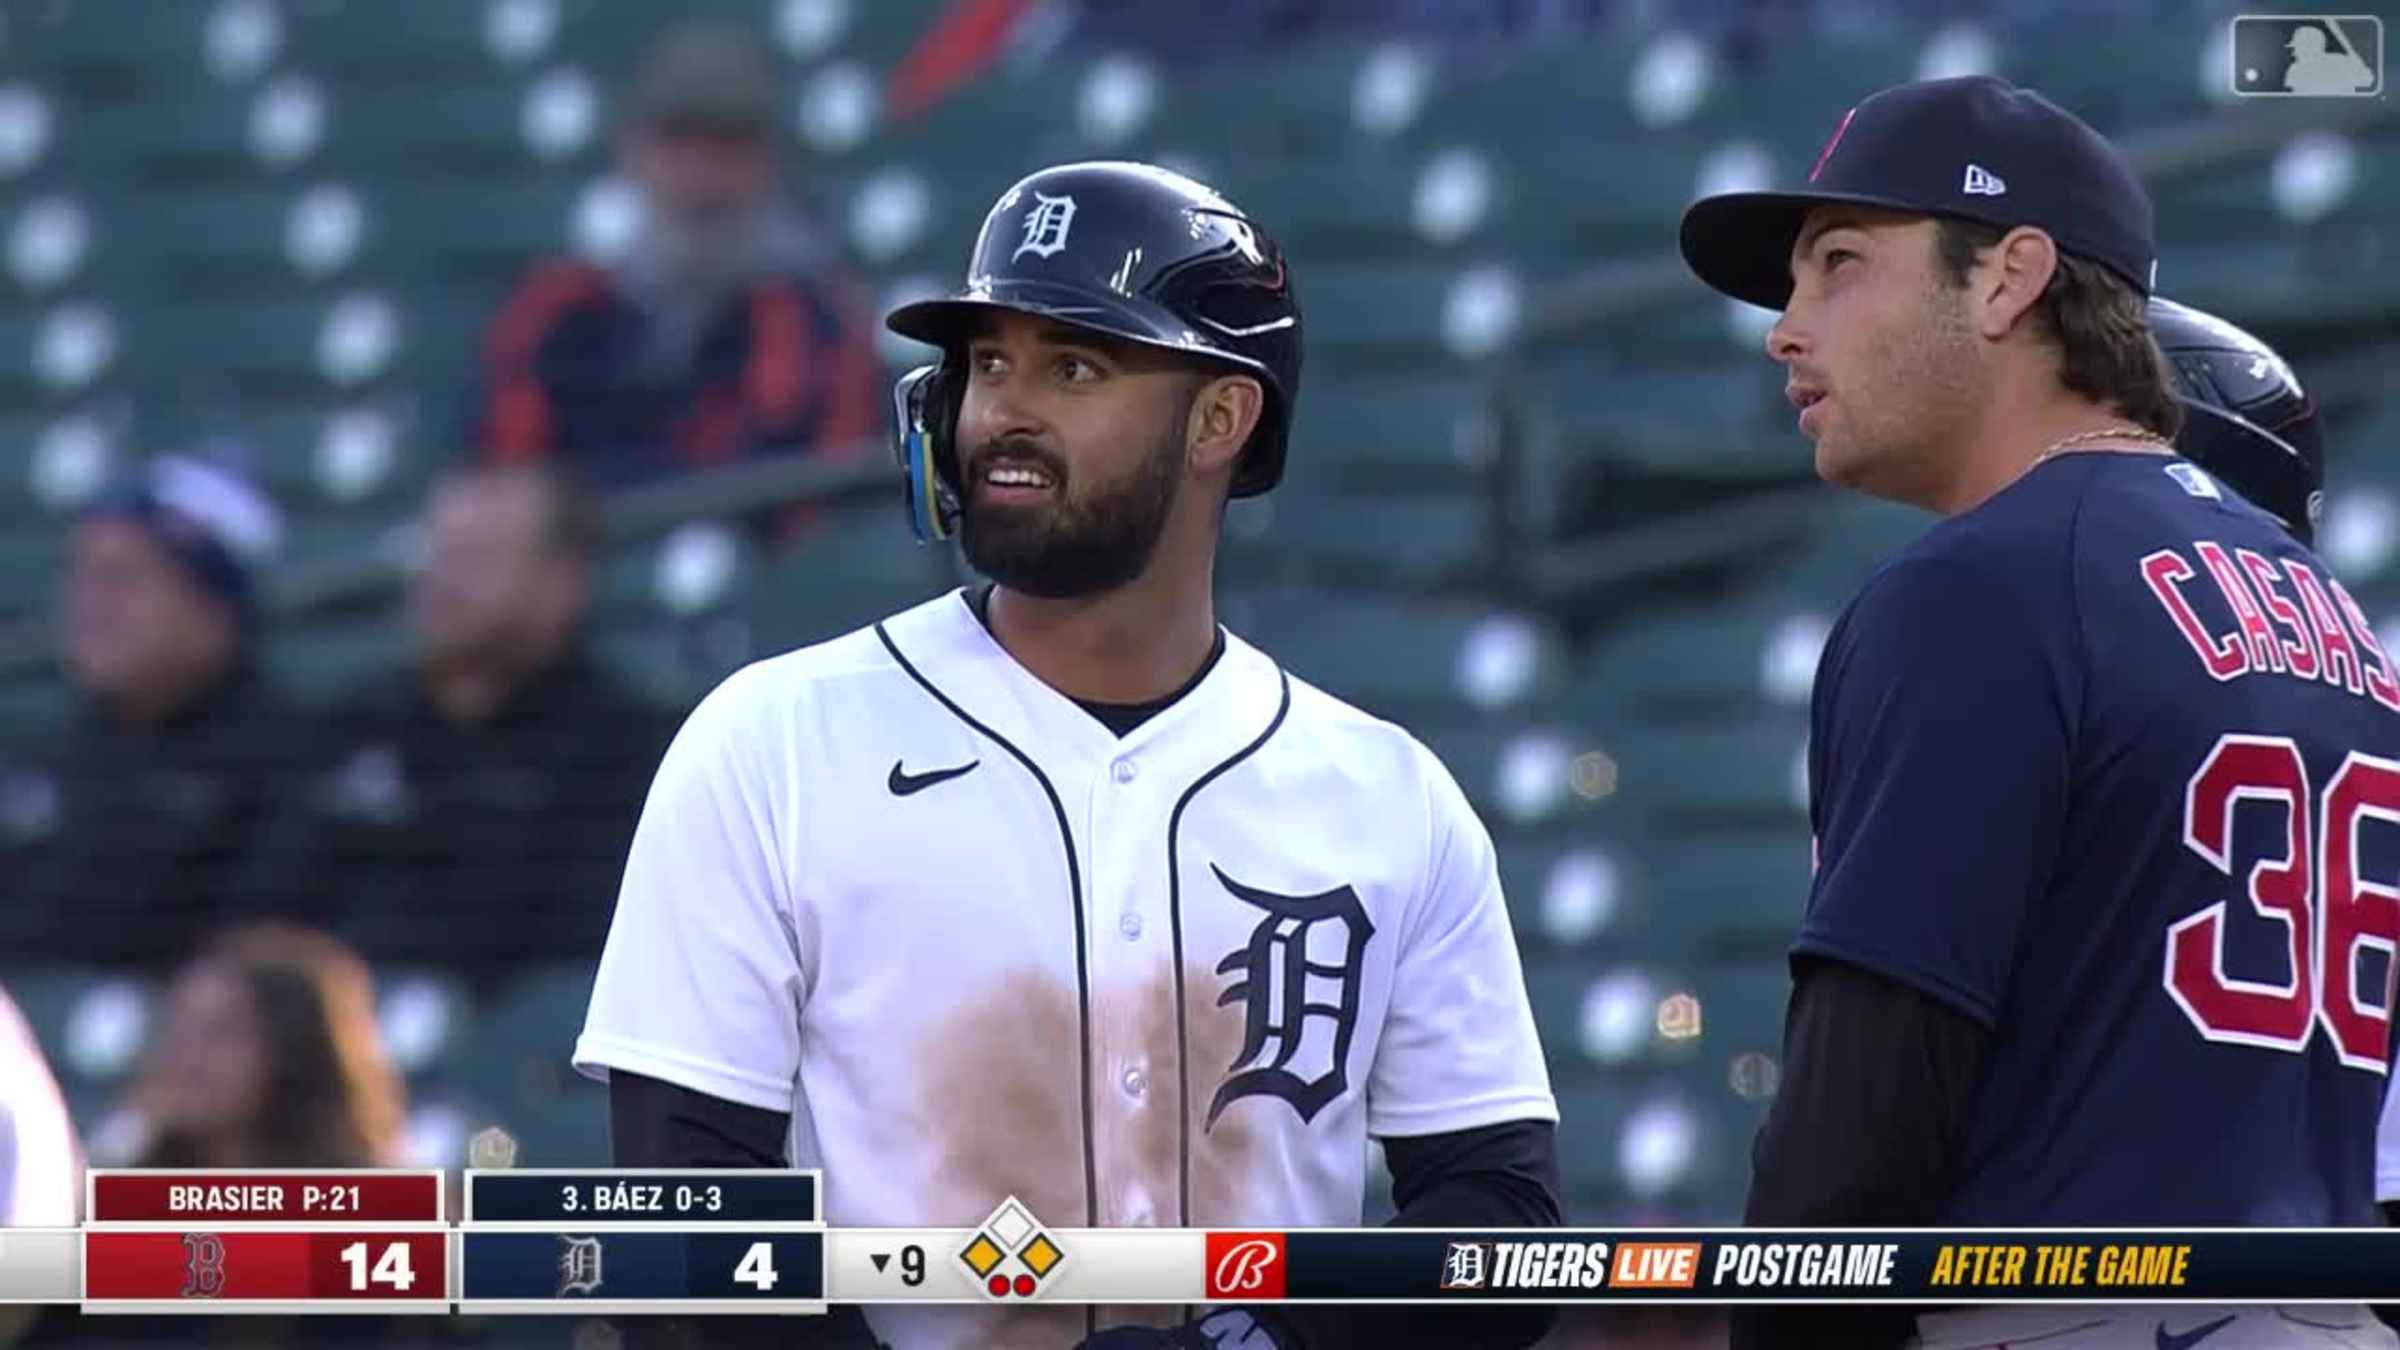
[(41, 1265), (257, 1195), (705, 1242), (678, 1198), (640, 1268), (634, 1240), (1100, 1265), (1712, 1266), (260, 1269)]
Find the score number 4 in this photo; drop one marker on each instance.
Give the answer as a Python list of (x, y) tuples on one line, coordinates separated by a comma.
[(757, 1267)]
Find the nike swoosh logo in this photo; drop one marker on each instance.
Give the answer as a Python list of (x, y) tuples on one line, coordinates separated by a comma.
[(2168, 1340), (902, 782)]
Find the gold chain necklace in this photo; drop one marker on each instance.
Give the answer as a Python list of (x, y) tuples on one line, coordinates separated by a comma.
[(2139, 435)]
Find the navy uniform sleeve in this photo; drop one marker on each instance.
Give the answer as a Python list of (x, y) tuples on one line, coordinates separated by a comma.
[(1939, 766), (1859, 1140)]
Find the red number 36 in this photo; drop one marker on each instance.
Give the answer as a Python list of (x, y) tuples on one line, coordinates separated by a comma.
[(2327, 908)]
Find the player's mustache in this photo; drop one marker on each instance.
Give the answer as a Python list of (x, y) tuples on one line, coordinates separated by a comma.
[(1020, 450)]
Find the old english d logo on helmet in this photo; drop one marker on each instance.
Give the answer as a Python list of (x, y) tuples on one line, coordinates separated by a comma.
[(1130, 250), (1046, 226)]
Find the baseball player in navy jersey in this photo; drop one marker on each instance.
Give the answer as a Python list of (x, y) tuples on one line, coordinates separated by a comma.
[(1055, 889), (2101, 768)]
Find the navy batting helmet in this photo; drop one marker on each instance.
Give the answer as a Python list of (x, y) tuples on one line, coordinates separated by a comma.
[(1130, 250), (2246, 419)]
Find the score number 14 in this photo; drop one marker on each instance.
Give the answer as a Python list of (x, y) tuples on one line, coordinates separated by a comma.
[(391, 1269)]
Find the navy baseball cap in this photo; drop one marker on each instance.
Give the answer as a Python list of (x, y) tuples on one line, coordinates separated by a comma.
[(1977, 148)]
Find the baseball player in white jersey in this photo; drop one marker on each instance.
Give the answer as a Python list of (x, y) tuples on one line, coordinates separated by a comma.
[(1055, 889), (41, 1173)]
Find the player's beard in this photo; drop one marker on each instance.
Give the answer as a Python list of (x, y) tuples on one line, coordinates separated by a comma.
[(1901, 427), (1076, 545)]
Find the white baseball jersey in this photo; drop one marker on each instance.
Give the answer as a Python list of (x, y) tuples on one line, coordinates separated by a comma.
[(41, 1171), (980, 946)]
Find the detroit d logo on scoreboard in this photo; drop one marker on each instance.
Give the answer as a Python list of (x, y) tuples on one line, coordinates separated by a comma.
[(579, 1270), (1463, 1266), (2307, 55)]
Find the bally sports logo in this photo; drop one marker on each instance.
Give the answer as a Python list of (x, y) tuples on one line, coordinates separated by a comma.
[(1245, 1265)]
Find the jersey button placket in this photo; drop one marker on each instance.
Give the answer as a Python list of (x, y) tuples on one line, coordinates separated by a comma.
[(1125, 870)]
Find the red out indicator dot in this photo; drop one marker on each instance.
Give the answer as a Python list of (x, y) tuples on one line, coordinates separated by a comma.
[(1025, 1286), (999, 1286)]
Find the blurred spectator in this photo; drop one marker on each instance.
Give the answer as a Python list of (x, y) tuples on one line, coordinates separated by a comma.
[(41, 1168), (122, 835), (727, 331), (475, 809), (267, 1055)]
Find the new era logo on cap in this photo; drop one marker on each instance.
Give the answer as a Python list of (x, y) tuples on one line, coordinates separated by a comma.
[(1982, 182)]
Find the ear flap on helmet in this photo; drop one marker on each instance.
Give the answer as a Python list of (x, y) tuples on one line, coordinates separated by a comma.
[(925, 414)]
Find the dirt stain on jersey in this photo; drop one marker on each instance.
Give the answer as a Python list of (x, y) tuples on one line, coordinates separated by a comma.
[(1003, 1083), (1002, 1078), (1225, 1159)]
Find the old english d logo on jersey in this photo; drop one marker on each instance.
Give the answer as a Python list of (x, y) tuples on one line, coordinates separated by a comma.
[(1283, 989)]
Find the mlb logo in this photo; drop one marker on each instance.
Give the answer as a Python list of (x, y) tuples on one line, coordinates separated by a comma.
[(2195, 480), (2307, 55)]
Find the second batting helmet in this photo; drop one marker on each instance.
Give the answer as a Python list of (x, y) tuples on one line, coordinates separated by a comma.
[(2246, 418), (1130, 250)]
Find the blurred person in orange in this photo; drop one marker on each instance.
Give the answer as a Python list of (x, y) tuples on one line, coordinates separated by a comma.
[(123, 833), (474, 806), (727, 330)]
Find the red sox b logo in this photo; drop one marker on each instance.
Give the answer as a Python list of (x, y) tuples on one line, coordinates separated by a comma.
[(203, 1265)]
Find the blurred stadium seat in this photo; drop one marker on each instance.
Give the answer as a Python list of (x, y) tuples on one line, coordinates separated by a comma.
[(514, 1068)]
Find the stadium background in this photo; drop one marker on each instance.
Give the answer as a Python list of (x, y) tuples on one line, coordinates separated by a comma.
[(1546, 506)]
